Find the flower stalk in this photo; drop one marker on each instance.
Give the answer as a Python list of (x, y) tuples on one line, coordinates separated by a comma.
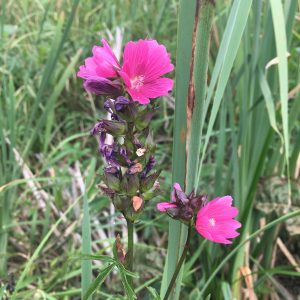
[(130, 249)]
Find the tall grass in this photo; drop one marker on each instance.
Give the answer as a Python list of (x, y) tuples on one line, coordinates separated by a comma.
[(253, 139)]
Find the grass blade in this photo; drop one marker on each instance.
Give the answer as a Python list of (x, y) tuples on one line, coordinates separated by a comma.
[(184, 49), (86, 265)]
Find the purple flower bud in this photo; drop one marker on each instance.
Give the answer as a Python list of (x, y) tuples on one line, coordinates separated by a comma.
[(108, 105), (143, 120), (181, 197), (126, 109), (136, 142), (112, 176), (123, 153), (107, 152), (130, 184), (113, 127), (198, 202), (115, 117), (102, 86), (148, 182), (135, 168), (149, 166), (182, 207), (121, 103)]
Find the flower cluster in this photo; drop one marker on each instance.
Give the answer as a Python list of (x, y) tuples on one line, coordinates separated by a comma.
[(214, 219), (144, 64), (129, 177)]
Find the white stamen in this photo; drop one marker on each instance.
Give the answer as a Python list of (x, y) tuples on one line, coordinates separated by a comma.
[(212, 221), (137, 82)]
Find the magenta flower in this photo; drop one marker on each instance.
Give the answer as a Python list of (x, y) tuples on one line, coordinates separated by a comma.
[(99, 70), (145, 62), (215, 220)]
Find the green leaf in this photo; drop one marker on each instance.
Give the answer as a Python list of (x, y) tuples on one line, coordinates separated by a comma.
[(98, 281), (154, 293), (104, 258), (233, 38), (86, 265), (124, 273), (226, 291), (269, 102), (184, 50), (281, 48)]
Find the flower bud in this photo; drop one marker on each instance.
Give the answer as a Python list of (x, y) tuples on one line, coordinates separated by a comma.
[(137, 203), (149, 166), (113, 127), (120, 202), (130, 184), (112, 177), (148, 182), (106, 190), (143, 120), (121, 103), (182, 207), (197, 202), (125, 108), (136, 168), (102, 86), (108, 105)]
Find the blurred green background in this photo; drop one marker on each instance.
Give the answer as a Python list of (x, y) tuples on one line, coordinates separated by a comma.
[(48, 159)]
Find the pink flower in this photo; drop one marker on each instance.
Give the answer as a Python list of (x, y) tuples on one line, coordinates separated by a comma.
[(215, 220), (99, 69), (145, 62)]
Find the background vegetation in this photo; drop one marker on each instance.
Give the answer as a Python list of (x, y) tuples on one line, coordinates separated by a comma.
[(49, 163)]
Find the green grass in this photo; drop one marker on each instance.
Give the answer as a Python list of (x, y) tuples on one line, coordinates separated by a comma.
[(245, 142)]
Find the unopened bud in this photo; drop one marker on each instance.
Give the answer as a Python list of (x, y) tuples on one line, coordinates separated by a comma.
[(113, 127), (143, 120), (148, 182), (137, 203), (130, 184), (112, 177), (102, 86), (106, 190), (136, 168), (125, 108)]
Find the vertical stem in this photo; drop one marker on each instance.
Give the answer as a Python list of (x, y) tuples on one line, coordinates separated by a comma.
[(130, 249), (179, 265)]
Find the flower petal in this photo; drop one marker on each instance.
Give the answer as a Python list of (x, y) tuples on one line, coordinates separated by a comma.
[(102, 86), (176, 186), (163, 206), (103, 63), (154, 89)]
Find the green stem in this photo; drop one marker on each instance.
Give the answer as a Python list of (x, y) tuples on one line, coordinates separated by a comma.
[(179, 265), (130, 249)]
